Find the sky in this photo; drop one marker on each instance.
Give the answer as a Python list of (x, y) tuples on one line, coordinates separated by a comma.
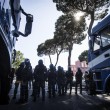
[(45, 15)]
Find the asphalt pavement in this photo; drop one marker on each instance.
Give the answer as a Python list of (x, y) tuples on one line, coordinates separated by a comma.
[(66, 102)]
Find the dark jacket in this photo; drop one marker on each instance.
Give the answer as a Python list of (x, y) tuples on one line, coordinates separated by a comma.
[(19, 72), (40, 73), (79, 75)]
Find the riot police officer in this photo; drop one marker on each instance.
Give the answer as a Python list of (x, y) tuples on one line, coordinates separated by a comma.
[(51, 80), (78, 80), (11, 76), (60, 80), (25, 78), (69, 79), (40, 76), (18, 74)]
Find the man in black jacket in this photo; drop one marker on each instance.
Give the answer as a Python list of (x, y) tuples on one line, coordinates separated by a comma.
[(51, 80), (18, 74), (40, 75), (26, 77), (69, 79), (78, 77)]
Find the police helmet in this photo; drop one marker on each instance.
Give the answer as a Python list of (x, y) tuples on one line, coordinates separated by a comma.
[(27, 61), (40, 62), (51, 66)]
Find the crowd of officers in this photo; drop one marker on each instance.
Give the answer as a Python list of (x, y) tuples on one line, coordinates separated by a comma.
[(58, 80)]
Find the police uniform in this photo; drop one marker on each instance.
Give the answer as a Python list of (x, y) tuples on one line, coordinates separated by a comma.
[(78, 80), (26, 77), (40, 75), (51, 81), (18, 78), (60, 81), (69, 79)]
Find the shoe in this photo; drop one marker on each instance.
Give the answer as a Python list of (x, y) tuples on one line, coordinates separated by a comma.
[(34, 100), (43, 99), (59, 94), (49, 96), (54, 96), (38, 96), (14, 97), (20, 102), (32, 95), (26, 100)]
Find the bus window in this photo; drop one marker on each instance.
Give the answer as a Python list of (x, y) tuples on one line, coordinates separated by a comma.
[(105, 36), (105, 42), (97, 43)]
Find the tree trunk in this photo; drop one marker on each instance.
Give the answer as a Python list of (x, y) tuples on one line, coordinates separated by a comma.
[(57, 59), (69, 56), (50, 59), (58, 54), (91, 23)]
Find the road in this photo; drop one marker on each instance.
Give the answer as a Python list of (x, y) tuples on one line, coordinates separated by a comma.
[(67, 102)]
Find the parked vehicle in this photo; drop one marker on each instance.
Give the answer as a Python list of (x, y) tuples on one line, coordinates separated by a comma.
[(99, 58), (10, 15)]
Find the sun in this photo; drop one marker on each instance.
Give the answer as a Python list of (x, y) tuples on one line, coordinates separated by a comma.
[(78, 16)]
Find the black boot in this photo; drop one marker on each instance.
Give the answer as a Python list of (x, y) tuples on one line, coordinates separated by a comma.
[(34, 100)]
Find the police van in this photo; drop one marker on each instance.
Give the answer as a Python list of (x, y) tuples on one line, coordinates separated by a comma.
[(99, 57), (10, 16)]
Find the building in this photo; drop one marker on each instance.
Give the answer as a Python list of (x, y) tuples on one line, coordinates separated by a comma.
[(82, 65)]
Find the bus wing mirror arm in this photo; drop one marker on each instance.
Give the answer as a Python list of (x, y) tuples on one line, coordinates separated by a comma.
[(90, 45)]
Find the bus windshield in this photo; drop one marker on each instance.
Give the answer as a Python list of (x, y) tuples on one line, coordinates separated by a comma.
[(105, 36)]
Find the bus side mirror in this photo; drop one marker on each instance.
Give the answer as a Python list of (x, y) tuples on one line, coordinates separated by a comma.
[(28, 26)]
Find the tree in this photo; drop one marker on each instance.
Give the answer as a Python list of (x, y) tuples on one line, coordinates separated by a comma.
[(19, 58), (95, 8), (46, 48), (83, 56), (50, 47), (69, 32)]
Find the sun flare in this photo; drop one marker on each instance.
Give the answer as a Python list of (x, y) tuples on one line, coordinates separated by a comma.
[(78, 15)]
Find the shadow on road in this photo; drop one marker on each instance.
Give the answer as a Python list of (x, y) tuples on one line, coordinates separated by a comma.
[(67, 102)]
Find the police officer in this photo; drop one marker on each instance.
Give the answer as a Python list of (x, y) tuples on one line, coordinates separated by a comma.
[(86, 77), (26, 77), (40, 76), (78, 77), (11, 76), (18, 74), (51, 80), (60, 80), (69, 79)]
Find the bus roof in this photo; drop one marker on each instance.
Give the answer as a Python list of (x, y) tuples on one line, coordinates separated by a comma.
[(101, 25)]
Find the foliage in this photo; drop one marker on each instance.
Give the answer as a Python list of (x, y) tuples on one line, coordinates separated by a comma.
[(95, 8), (41, 49), (68, 32), (83, 56), (46, 48), (19, 58), (50, 47)]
